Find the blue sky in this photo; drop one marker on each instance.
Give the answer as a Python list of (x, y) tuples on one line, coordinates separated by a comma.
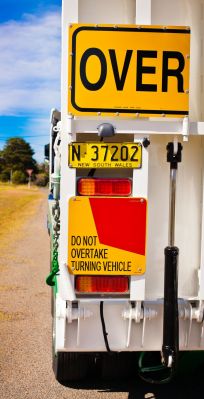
[(29, 69)]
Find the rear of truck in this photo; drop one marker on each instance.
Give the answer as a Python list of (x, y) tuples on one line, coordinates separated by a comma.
[(126, 189)]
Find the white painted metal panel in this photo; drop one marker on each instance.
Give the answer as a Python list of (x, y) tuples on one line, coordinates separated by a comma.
[(107, 11), (68, 176), (189, 208), (162, 12), (79, 336), (188, 215)]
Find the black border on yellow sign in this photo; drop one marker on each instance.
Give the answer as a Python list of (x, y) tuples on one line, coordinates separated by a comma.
[(121, 29)]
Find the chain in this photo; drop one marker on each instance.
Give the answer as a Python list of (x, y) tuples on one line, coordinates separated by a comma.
[(56, 225), (56, 232)]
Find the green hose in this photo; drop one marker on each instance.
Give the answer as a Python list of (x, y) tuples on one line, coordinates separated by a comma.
[(51, 278), (144, 371)]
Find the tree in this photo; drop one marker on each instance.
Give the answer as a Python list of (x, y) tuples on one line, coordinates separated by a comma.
[(1, 161), (17, 155), (18, 177)]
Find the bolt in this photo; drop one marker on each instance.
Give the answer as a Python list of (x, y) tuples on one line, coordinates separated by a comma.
[(70, 87), (139, 270), (99, 113), (163, 115), (188, 56), (146, 142), (187, 91), (71, 54), (137, 114), (117, 114), (185, 138)]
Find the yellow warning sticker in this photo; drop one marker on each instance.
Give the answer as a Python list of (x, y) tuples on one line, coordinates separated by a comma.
[(99, 236)]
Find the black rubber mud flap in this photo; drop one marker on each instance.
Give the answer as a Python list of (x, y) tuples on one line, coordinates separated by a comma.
[(70, 366), (117, 366)]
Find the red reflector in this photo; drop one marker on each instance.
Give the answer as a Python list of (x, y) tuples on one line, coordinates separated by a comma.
[(113, 187), (101, 284)]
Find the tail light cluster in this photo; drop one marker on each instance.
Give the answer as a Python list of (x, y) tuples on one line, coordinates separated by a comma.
[(106, 187), (102, 284)]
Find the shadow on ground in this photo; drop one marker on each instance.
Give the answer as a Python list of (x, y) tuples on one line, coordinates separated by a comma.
[(186, 386)]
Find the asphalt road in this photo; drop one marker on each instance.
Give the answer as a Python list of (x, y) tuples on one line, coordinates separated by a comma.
[(25, 330)]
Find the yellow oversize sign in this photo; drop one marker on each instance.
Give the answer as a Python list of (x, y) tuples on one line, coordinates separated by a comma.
[(129, 70)]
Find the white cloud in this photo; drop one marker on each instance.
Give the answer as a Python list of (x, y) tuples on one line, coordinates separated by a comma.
[(30, 64)]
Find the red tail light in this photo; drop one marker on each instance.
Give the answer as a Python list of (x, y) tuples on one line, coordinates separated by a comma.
[(112, 187), (101, 284)]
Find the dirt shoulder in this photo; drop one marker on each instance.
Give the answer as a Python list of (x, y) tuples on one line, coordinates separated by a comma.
[(25, 323)]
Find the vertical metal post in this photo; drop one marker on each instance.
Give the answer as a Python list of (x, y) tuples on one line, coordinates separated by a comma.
[(70, 15), (201, 271), (170, 345), (137, 283), (172, 206), (143, 12), (29, 181)]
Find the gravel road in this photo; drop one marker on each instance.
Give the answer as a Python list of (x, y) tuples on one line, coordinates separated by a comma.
[(25, 330)]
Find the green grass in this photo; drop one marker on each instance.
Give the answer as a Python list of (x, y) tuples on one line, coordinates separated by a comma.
[(17, 204)]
